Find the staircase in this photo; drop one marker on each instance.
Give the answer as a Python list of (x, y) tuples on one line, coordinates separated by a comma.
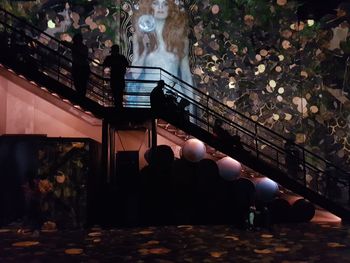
[(46, 61)]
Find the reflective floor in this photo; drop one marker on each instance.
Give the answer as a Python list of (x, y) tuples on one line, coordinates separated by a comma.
[(307, 242)]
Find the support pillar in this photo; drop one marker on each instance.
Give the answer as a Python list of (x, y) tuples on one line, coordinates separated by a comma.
[(108, 151), (154, 133)]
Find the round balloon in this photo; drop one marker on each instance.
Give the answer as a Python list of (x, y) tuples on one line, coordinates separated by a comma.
[(161, 155), (229, 168), (193, 150), (266, 189), (280, 210), (302, 211)]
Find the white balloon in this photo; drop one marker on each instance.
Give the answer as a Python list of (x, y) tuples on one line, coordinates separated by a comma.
[(229, 168), (266, 189), (193, 150)]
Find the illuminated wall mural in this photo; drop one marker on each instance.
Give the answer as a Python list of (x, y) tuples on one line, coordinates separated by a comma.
[(253, 55)]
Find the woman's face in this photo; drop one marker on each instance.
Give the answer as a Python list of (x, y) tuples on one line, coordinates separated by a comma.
[(160, 9)]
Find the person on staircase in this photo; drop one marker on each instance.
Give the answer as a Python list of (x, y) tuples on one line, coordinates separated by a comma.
[(80, 64), (118, 64)]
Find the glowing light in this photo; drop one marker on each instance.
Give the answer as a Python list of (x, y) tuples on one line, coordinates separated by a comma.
[(238, 71), (310, 22), (258, 57), (254, 117), (301, 104), (281, 90), (95, 62), (314, 109), (230, 103), (281, 2), (288, 117), (286, 44), (269, 89), (278, 69), (215, 9), (281, 57), (276, 117), (263, 52), (215, 58), (296, 100), (196, 44), (212, 36), (51, 24), (102, 28), (232, 85), (272, 83), (304, 74), (261, 68), (213, 68)]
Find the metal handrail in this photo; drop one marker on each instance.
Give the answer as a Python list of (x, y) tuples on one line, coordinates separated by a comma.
[(207, 108)]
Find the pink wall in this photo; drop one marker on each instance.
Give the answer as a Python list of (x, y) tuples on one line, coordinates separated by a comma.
[(24, 111), (3, 106)]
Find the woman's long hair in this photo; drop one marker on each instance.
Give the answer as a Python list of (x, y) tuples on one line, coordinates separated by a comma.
[(175, 30)]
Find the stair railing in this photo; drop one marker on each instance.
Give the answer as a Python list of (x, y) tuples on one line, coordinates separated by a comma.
[(53, 58)]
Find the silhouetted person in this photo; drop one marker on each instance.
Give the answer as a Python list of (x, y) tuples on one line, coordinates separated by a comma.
[(118, 64), (332, 190), (80, 66), (223, 135), (157, 97), (292, 158), (333, 20)]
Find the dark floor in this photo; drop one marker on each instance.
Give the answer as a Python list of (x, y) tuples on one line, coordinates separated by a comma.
[(308, 242)]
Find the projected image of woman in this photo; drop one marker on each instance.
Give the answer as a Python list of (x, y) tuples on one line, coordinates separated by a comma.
[(160, 39)]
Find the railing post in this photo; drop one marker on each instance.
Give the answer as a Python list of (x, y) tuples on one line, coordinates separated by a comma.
[(208, 113), (154, 132), (59, 62), (105, 155), (304, 167), (256, 140), (348, 175)]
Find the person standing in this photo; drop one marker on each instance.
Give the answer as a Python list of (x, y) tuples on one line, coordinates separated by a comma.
[(118, 64), (80, 64)]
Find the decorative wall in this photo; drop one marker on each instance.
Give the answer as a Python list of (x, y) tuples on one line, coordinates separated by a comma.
[(255, 56)]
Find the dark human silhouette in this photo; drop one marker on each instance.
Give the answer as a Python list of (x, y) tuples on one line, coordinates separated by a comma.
[(80, 65), (162, 103), (292, 157), (333, 20), (118, 64), (331, 187), (157, 97), (223, 135)]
